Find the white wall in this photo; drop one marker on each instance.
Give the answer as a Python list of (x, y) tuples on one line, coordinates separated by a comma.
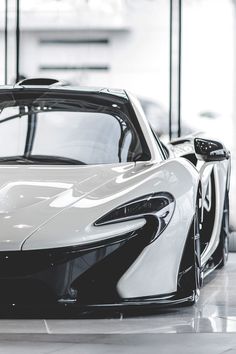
[(138, 50)]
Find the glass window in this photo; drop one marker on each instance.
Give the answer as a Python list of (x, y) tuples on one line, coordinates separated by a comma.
[(11, 129), (53, 130), (89, 137)]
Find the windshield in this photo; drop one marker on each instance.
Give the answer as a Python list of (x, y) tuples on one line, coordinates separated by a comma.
[(59, 129)]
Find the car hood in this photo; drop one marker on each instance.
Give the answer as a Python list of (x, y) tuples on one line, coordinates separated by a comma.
[(33, 196), (45, 207)]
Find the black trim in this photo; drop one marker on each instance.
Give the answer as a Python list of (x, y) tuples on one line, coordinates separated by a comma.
[(192, 158), (86, 275), (75, 68), (164, 300), (75, 41), (181, 141), (17, 40), (185, 283), (38, 81), (6, 41), (31, 130), (135, 306), (179, 68)]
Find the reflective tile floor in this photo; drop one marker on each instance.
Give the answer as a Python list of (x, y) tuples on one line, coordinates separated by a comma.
[(208, 327)]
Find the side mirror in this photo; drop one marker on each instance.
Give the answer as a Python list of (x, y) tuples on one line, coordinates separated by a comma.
[(210, 150)]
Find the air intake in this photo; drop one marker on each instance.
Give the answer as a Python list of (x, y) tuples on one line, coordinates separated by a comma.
[(38, 82)]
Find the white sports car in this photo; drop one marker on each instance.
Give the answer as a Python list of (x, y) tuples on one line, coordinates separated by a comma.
[(95, 210)]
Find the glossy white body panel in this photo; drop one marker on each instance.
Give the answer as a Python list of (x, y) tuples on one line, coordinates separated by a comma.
[(156, 269), (61, 211), (45, 207), (220, 171)]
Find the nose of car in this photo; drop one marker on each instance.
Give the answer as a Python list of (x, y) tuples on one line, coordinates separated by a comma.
[(31, 196)]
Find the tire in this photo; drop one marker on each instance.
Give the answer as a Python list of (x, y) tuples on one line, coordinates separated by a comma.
[(222, 252)]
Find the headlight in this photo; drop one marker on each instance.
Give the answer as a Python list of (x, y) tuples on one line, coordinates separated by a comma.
[(157, 206)]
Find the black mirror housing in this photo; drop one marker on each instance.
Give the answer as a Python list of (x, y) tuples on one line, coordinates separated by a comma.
[(210, 150)]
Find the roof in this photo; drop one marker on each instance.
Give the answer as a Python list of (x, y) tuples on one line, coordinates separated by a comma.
[(81, 89)]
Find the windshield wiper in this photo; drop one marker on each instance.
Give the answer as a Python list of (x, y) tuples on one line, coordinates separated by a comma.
[(15, 159), (55, 160), (40, 159)]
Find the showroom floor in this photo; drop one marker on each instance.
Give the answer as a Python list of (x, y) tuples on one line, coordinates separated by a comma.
[(209, 327)]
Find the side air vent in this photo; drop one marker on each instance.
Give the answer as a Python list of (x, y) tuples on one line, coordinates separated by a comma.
[(38, 82)]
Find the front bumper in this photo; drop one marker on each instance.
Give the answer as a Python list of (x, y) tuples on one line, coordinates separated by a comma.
[(82, 277)]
